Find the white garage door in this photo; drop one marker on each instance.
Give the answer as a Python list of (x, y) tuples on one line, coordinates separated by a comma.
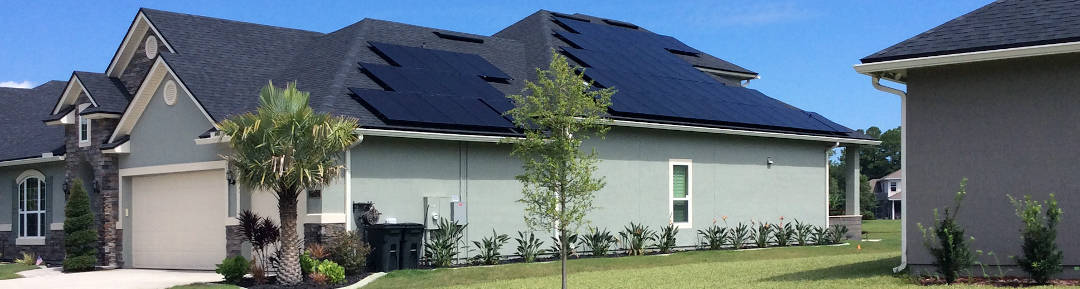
[(178, 220)]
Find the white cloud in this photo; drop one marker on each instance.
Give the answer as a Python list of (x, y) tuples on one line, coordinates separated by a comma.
[(23, 84)]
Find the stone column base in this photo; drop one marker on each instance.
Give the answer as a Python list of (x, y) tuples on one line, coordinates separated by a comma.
[(321, 233)]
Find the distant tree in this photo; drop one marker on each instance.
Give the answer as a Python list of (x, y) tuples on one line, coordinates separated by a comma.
[(558, 113), (80, 235), (875, 162)]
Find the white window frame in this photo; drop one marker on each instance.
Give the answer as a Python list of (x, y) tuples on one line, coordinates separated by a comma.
[(23, 238), (689, 192), (894, 186), (84, 138)]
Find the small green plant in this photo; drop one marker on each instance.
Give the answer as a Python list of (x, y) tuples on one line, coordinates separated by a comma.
[(715, 236), (634, 237), (28, 259), (233, 269), (80, 233), (489, 248), (349, 250), (1041, 256), (784, 233), (443, 242), (803, 233), (571, 244), (762, 234), (529, 246), (665, 241), (334, 273), (307, 264), (740, 236), (597, 241), (837, 233), (822, 235), (1001, 273), (946, 240)]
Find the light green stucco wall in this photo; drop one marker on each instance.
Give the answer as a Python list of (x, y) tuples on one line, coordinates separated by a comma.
[(166, 134), (54, 173), (730, 178)]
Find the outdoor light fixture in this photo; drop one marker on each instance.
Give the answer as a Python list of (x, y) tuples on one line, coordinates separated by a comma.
[(67, 187), (230, 177), (769, 162)]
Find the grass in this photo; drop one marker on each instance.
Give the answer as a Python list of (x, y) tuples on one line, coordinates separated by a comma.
[(859, 265), (7, 271)]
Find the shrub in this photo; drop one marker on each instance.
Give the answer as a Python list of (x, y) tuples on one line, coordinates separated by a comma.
[(837, 233), (334, 272), (318, 251), (233, 269), (489, 248), (350, 251), (28, 259), (571, 244), (822, 235), (599, 242), (1041, 256), (946, 240), (802, 233), (529, 246), (442, 245), (714, 236), (261, 233), (665, 241), (319, 278), (634, 237), (740, 235), (784, 234), (763, 234), (307, 263), (80, 234)]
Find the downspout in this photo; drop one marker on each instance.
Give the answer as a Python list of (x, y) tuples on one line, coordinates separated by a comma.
[(903, 167), (348, 182)]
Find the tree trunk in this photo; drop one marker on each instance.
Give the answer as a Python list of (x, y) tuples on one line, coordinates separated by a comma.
[(289, 271), (562, 241)]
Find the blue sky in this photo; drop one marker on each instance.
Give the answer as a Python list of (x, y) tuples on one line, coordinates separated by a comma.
[(803, 50)]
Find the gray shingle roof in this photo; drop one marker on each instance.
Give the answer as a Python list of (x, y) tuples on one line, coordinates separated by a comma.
[(998, 25), (22, 133), (108, 92)]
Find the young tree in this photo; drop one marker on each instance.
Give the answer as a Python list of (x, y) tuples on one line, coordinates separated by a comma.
[(80, 234), (560, 111), (286, 148), (1041, 256)]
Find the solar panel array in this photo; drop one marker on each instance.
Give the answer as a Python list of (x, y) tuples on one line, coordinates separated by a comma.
[(435, 87), (651, 81)]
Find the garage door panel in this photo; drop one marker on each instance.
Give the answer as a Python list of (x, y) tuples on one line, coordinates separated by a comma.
[(177, 220)]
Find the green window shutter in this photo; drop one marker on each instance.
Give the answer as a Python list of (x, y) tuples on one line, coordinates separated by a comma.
[(15, 209), (47, 222), (678, 181)]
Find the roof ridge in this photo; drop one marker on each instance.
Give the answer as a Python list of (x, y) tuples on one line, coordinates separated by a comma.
[(226, 20)]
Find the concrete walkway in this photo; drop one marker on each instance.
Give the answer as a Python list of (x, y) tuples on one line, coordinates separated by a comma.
[(120, 279)]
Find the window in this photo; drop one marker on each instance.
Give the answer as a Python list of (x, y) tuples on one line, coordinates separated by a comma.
[(892, 186), (681, 177), (32, 206), (84, 127)]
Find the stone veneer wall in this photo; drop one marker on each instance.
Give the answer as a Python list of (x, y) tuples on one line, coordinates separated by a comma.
[(852, 222), (321, 233), (106, 175), (52, 252), (234, 242)]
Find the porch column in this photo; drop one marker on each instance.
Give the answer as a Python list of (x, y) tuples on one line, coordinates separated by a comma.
[(851, 163)]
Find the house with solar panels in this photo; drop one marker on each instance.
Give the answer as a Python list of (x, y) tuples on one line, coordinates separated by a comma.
[(691, 144)]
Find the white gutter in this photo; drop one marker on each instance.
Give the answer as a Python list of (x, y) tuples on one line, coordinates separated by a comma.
[(429, 135), (45, 158), (876, 82), (676, 127), (998, 54)]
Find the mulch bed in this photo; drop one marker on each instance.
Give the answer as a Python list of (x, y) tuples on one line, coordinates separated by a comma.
[(998, 282), (272, 283)]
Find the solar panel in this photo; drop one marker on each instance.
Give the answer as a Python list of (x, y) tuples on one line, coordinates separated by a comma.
[(433, 82), (416, 57), (414, 107)]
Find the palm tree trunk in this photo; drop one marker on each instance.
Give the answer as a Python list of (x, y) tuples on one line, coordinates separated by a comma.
[(289, 272)]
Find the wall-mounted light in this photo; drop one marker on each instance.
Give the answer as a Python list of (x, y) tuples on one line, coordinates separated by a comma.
[(67, 187), (230, 177), (768, 162)]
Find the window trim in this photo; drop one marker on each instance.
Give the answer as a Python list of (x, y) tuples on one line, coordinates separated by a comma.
[(894, 186), (41, 211), (84, 138), (689, 192)]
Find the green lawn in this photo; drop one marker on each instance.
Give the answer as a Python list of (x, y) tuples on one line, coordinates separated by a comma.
[(7, 271), (789, 267)]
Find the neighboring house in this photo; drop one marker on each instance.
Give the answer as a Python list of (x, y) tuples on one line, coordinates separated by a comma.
[(889, 193), (991, 97), (690, 144)]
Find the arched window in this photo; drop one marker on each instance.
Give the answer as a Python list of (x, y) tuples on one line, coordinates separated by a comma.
[(32, 204)]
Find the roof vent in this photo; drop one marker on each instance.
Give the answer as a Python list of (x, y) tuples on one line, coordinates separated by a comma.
[(151, 47), (458, 37), (568, 16), (170, 93), (620, 24)]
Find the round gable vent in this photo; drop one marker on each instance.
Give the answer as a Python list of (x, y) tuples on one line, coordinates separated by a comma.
[(151, 47), (170, 92)]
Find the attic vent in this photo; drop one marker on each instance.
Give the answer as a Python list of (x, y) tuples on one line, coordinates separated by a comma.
[(170, 93), (151, 47), (680, 52), (568, 16), (620, 24), (458, 37)]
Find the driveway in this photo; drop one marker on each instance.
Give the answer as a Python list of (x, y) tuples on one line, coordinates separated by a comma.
[(119, 279)]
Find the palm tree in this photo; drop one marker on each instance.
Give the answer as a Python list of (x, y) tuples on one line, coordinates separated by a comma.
[(286, 148)]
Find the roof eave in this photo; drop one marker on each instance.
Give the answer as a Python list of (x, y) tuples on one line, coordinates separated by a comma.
[(896, 70)]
